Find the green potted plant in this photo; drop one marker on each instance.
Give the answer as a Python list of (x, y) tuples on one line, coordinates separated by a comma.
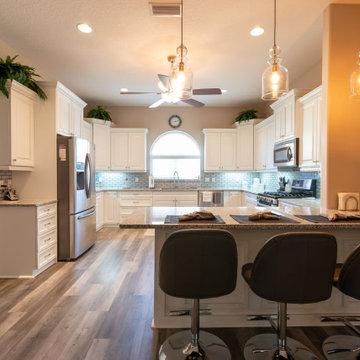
[(11, 70), (246, 115), (99, 112)]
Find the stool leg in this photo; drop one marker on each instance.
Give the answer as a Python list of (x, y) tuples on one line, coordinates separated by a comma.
[(194, 348), (282, 323)]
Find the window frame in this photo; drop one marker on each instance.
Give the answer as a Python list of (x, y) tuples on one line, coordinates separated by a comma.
[(152, 157)]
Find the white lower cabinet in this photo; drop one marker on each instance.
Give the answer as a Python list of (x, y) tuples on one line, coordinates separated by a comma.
[(111, 208), (175, 199), (233, 198), (249, 199), (30, 248), (132, 200), (99, 210)]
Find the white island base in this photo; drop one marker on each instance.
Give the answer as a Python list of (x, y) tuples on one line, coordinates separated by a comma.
[(234, 310)]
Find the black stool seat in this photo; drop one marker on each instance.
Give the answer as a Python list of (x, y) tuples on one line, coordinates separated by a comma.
[(295, 268), (197, 264)]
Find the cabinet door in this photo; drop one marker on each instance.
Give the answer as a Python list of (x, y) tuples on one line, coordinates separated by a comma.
[(111, 208), (119, 151), (64, 113), (22, 130), (160, 202), (308, 134), (245, 148), (269, 147), (232, 198), (277, 116), (212, 159), (228, 151), (99, 211), (260, 148), (137, 152), (86, 131), (289, 119), (102, 146), (76, 119)]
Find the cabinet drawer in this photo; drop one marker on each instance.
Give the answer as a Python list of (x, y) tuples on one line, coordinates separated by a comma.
[(127, 210), (136, 202), (46, 255), (46, 224), (47, 239), (45, 210), (135, 194)]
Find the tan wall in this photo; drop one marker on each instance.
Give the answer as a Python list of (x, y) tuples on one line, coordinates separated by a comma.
[(340, 157), (311, 79), (156, 120)]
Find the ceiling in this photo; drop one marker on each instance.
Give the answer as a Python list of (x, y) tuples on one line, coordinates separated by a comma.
[(128, 46)]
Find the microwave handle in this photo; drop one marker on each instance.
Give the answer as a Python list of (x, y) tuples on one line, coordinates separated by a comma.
[(289, 154)]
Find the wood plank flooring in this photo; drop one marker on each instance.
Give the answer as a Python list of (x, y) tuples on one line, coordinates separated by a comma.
[(101, 307)]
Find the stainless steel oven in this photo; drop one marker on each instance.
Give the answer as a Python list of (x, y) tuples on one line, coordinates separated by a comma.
[(286, 153)]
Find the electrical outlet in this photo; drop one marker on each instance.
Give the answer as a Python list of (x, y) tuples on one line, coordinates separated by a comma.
[(136, 179), (213, 179), (207, 179)]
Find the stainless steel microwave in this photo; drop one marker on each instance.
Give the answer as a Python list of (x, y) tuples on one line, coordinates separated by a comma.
[(286, 153)]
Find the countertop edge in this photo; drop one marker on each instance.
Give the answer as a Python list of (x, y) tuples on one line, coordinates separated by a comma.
[(25, 202)]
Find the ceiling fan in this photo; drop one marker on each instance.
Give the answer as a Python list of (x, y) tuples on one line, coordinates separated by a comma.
[(168, 96)]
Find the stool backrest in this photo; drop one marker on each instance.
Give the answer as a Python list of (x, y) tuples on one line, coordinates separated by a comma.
[(349, 277), (198, 264), (295, 268)]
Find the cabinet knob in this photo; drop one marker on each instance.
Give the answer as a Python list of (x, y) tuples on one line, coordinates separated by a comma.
[(14, 159)]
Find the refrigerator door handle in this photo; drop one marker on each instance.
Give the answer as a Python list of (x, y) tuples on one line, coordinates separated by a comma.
[(87, 215), (88, 174)]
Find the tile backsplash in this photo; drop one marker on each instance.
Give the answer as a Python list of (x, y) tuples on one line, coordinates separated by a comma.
[(208, 180)]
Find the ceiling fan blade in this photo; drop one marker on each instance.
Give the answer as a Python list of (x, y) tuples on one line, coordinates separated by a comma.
[(157, 103), (193, 102), (139, 93), (207, 91), (164, 79)]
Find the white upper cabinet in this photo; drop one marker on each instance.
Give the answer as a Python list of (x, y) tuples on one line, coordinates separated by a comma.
[(219, 149), (101, 139), (286, 114), (245, 146), (310, 120), (128, 149), (87, 131), (264, 140), (69, 111), (17, 128)]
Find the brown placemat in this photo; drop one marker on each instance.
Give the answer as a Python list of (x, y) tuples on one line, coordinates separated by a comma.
[(324, 219), (174, 219), (245, 219)]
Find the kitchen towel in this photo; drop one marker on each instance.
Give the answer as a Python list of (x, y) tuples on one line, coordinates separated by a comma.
[(197, 215)]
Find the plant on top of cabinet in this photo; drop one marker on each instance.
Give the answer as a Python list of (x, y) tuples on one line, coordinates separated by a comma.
[(99, 112), (246, 115), (10, 70)]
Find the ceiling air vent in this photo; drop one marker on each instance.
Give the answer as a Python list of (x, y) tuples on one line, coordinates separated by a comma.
[(165, 9)]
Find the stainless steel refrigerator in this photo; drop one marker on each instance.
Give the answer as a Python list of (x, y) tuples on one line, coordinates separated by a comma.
[(76, 196)]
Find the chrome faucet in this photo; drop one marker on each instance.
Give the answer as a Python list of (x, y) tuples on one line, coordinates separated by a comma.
[(175, 177)]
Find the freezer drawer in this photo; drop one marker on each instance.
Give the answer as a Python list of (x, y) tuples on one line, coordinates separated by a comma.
[(81, 236)]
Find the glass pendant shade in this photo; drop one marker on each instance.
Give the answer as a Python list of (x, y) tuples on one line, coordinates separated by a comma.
[(181, 77), (275, 78), (355, 83)]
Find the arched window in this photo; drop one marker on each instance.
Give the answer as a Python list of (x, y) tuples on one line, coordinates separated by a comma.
[(175, 151)]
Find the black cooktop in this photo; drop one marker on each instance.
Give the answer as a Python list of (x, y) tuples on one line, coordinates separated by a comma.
[(284, 194)]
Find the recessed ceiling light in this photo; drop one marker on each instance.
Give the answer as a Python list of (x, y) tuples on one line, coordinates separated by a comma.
[(124, 90), (223, 91), (85, 28), (257, 31)]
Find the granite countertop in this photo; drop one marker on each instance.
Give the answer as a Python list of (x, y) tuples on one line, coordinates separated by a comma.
[(174, 189), (27, 202), (153, 217), (304, 202)]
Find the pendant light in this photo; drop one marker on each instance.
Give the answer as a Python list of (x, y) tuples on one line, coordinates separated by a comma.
[(180, 76), (275, 78), (355, 83)]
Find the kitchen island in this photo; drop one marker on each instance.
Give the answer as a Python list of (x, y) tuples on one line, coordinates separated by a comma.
[(235, 310)]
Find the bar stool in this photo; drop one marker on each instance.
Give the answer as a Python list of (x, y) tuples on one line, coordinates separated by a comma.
[(295, 268), (197, 264), (347, 280)]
